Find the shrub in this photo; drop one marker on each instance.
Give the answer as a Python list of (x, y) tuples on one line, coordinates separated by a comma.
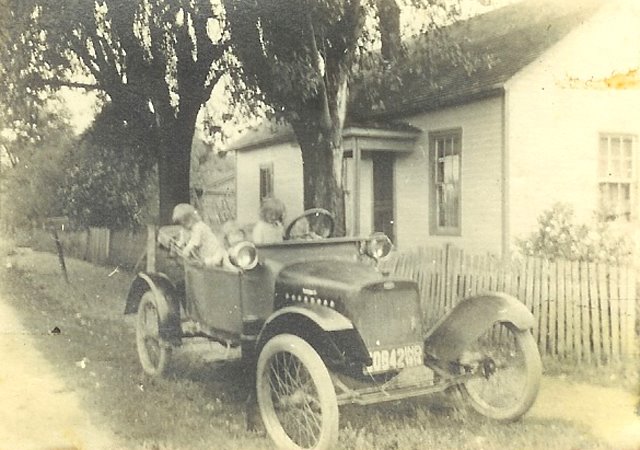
[(558, 236)]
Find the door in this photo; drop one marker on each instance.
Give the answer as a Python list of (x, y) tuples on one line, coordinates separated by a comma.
[(214, 298), (383, 198)]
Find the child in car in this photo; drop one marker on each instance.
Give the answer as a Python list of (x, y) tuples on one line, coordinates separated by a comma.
[(233, 234), (269, 228), (197, 238)]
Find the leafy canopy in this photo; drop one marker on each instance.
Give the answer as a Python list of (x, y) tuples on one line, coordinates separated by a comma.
[(157, 61)]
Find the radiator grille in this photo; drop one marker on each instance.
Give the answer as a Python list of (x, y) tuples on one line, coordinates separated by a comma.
[(387, 318)]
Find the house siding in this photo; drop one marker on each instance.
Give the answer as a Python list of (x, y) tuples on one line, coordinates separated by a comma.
[(481, 179), (287, 180), (557, 107)]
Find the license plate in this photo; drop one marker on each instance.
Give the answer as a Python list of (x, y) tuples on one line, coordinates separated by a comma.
[(395, 358)]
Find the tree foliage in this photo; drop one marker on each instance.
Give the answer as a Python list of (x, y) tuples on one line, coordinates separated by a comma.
[(301, 55), (103, 185), (156, 61)]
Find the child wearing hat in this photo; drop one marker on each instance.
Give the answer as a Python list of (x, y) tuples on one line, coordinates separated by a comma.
[(198, 239)]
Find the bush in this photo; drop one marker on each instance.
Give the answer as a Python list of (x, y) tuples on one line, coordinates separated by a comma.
[(110, 179), (558, 236)]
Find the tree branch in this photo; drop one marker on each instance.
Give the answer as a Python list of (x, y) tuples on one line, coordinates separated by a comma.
[(326, 113), (55, 82)]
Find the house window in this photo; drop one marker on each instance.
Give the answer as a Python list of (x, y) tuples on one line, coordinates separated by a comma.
[(445, 150), (266, 181), (616, 175)]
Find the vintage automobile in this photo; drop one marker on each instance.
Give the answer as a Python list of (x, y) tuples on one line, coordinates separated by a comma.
[(323, 326)]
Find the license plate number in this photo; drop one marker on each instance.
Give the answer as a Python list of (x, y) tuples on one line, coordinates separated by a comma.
[(395, 358)]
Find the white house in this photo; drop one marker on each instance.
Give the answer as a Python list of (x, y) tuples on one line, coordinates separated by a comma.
[(554, 117)]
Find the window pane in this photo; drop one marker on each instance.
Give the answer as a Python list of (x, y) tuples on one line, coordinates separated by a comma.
[(627, 165), (440, 207), (454, 166), (448, 147), (440, 147), (440, 171), (627, 146), (451, 205), (614, 162), (625, 201)]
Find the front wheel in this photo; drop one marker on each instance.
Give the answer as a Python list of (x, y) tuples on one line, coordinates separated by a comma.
[(296, 396), (153, 352), (508, 372)]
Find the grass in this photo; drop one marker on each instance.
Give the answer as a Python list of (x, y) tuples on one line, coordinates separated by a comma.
[(621, 375), (200, 404)]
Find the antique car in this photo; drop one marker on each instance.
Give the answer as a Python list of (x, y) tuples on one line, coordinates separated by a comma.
[(323, 326)]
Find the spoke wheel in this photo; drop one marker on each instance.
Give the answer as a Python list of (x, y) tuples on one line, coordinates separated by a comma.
[(509, 370), (153, 352), (296, 396)]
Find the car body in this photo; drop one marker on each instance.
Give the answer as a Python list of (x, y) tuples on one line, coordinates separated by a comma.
[(326, 304)]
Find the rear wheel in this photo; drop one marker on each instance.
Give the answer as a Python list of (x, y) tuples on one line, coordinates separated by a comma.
[(509, 369), (296, 396), (153, 352)]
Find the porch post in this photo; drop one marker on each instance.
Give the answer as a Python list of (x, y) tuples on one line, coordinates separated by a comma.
[(356, 186)]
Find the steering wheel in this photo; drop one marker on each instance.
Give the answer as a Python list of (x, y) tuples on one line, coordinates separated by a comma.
[(315, 223)]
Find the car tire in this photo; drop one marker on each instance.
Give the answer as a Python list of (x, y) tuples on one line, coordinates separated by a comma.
[(154, 352), (296, 396), (510, 386)]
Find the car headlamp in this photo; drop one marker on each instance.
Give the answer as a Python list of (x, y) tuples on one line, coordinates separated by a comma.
[(244, 255), (378, 246)]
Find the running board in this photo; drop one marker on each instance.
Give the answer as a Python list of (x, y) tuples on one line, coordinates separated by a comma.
[(391, 391)]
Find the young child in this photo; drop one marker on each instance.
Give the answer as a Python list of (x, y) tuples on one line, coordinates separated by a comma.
[(233, 234), (198, 239), (269, 228)]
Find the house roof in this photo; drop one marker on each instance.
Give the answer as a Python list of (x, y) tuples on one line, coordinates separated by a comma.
[(271, 133), (506, 40)]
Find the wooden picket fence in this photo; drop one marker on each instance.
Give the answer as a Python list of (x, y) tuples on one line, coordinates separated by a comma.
[(585, 311)]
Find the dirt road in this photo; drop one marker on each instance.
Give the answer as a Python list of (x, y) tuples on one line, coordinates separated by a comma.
[(38, 410), (607, 413)]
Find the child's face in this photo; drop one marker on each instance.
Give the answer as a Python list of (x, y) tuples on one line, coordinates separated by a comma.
[(189, 221), (272, 216)]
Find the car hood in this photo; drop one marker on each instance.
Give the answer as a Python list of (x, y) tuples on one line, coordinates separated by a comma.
[(326, 278)]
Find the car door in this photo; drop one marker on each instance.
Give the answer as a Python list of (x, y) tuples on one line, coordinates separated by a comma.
[(214, 298)]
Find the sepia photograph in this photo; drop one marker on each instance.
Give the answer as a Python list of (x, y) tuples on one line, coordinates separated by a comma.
[(320, 224)]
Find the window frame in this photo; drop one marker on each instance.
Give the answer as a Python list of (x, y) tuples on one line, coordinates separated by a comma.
[(608, 178), (266, 168), (434, 211)]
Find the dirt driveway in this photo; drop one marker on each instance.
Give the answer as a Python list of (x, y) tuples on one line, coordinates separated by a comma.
[(608, 413), (38, 410)]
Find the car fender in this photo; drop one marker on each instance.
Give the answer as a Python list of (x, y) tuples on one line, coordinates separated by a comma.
[(332, 334), (471, 318), (166, 301), (326, 318)]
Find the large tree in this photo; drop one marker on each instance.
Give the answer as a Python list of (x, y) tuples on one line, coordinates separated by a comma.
[(156, 61), (300, 55)]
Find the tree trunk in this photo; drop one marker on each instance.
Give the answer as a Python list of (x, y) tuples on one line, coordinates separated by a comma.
[(322, 166), (174, 166), (389, 21)]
